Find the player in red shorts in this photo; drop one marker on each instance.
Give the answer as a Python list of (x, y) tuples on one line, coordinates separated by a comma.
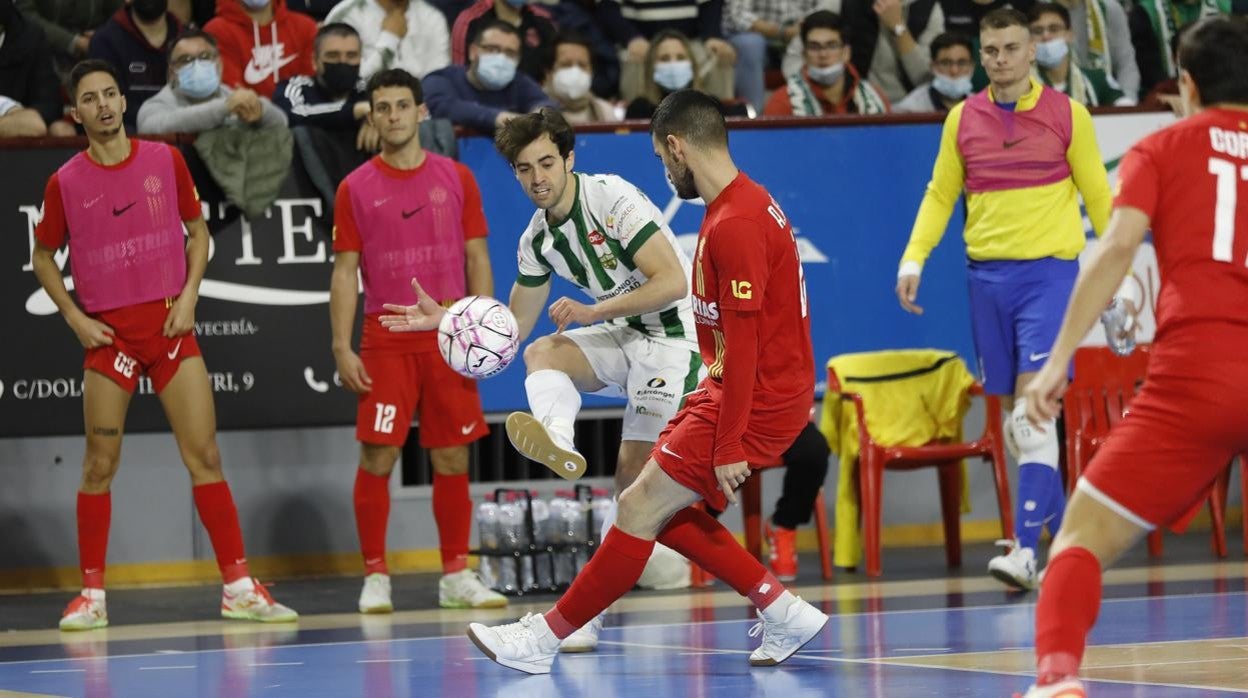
[(747, 292), (409, 213), (1189, 183), (121, 205)]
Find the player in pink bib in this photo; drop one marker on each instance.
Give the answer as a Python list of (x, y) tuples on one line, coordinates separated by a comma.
[(121, 206), (406, 214)]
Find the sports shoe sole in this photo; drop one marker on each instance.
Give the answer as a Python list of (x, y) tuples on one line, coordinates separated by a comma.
[(93, 625), (243, 615), (492, 603), (377, 610), (768, 661), (529, 437), (526, 667), (1009, 580)]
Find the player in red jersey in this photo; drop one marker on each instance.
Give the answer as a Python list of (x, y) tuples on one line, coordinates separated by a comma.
[(409, 212), (121, 205), (1189, 183), (747, 291)]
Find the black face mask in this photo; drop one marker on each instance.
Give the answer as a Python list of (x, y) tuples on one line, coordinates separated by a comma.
[(150, 10), (340, 78)]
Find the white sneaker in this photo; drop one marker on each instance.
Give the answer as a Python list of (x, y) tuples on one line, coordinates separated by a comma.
[(1066, 688), (375, 596), (666, 569), (1017, 567), (464, 589), (527, 645), (801, 623), (584, 639), (531, 438), (254, 604), (86, 613)]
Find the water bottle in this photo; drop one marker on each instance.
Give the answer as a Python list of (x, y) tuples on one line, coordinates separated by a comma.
[(601, 506), (543, 572), (519, 511), (487, 530), (558, 537), (510, 538), (575, 527), (1116, 320)]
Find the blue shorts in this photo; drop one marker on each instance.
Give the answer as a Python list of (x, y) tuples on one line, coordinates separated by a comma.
[(1016, 311)]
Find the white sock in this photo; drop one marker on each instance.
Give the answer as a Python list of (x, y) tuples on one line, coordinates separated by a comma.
[(778, 610), (94, 594), (241, 585), (554, 400)]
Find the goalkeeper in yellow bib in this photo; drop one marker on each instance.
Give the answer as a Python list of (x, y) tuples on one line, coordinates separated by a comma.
[(637, 338), (1023, 153)]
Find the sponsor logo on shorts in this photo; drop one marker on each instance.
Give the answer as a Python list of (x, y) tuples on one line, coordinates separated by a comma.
[(670, 452), (467, 429), (1038, 357), (173, 353)]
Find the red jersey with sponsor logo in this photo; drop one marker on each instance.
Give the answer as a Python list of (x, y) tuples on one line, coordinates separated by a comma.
[(1191, 180), (749, 302)]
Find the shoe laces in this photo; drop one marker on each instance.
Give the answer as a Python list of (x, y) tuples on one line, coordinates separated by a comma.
[(518, 632), (77, 603), (773, 633)]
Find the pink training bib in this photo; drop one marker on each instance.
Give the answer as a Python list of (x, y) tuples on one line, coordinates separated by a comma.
[(126, 241), (1004, 149), (411, 225)]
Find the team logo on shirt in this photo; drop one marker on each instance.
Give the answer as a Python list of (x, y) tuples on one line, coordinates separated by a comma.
[(608, 260), (597, 238), (438, 196), (742, 289)]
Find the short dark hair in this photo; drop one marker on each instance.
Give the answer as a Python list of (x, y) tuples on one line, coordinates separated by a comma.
[(949, 40), (825, 19), (84, 68), (566, 36), (1004, 17), (194, 33), (497, 24), (692, 115), (518, 133), (395, 77), (1213, 51), (334, 29), (1040, 9)]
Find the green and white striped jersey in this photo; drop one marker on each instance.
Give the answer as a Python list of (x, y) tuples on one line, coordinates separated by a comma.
[(594, 247)]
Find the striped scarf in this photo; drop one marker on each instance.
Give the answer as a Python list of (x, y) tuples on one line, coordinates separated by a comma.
[(1099, 55), (1078, 87), (1168, 17), (806, 103)]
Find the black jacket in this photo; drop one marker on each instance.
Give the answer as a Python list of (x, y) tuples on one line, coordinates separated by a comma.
[(143, 68), (26, 73)]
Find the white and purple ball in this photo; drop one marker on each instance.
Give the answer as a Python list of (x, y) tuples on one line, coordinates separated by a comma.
[(478, 337)]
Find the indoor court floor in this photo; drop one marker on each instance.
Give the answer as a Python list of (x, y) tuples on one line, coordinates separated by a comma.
[(1173, 630)]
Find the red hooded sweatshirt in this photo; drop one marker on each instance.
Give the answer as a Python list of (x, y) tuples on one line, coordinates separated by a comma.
[(257, 56)]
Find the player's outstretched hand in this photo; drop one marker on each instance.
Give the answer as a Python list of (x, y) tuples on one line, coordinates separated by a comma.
[(421, 317), (730, 477), (181, 317), (907, 292), (566, 311), (91, 332), (1044, 393), (351, 371)]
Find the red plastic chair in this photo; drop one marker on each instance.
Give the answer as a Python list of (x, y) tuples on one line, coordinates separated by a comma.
[(874, 459), (1097, 399)]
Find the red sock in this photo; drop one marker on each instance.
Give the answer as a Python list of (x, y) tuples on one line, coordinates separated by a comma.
[(216, 510), (1070, 599), (452, 510), (372, 512), (699, 537), (95, 513), (611, 572)]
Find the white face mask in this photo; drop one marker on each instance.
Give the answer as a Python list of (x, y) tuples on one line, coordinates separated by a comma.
[(571, 82), (827, 75), (1050, 53)]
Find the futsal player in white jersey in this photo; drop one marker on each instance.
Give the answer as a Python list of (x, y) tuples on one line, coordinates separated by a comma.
[(636, 338)]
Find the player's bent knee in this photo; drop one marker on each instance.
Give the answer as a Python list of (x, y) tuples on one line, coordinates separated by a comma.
[(540, 354), (98, 469), (1091, 525), (1034, 444), (378, 460), (449, 461)]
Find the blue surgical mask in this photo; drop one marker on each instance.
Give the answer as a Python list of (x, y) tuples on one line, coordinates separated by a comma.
[(495, 70), (827, 75), (673, 75), (953, 88), (199, 80), (1050, 53), (256, 4)]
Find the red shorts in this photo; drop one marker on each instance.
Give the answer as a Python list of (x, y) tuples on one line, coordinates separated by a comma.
[(450, 409), (686, 447), (1158, 465), (139, 348)]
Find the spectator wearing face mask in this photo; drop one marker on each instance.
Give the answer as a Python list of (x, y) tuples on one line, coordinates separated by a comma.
[(261, 43), (1101, 39), (828, 83), (136, 42), (1050, 30), (671, 64), (333, 98), (532, 20), (488, 91), (569, 79), (952, 67)]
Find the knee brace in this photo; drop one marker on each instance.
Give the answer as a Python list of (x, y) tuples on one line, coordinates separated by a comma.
[(1034, 446)]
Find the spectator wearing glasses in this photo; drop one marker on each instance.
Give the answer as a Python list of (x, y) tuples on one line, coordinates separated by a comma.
[(1050, 30), (828, 83), (952, 68), (537, 32), (488, 91), (759, 30)]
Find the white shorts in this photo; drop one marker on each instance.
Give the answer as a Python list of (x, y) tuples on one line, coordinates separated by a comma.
[(653, 375)]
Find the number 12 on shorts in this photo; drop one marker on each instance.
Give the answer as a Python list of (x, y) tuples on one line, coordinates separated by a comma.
[(383, 423), (1224, 210)]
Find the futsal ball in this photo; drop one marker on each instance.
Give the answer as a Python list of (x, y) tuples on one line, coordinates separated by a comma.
[(478, 337)]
